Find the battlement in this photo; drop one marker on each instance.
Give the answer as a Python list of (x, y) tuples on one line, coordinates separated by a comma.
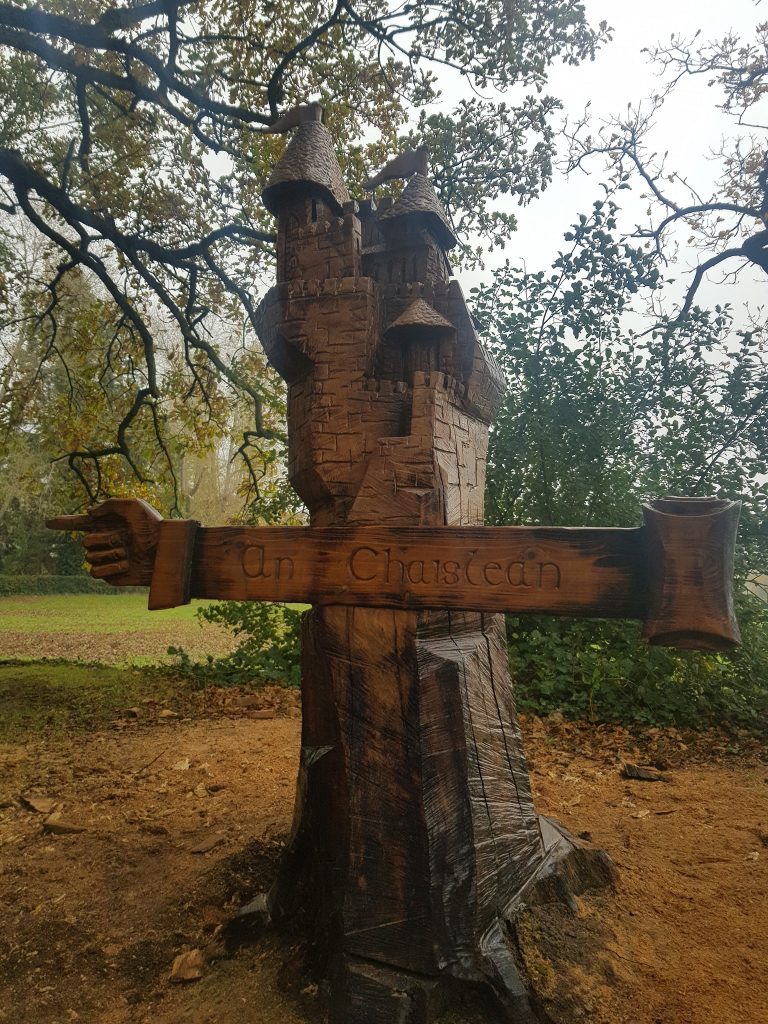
[(420, 289), (313, 287), (379, 386), (439, 383)]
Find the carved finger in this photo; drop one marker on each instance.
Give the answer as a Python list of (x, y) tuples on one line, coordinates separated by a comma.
[(110, 569), (106, 556), (103, 540), (84, 522)]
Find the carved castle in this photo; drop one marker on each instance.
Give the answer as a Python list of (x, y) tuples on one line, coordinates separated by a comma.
[(390, 392)]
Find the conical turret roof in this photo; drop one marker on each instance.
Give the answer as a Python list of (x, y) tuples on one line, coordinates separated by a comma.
[(308, 168), (419, 197), (419, 317)]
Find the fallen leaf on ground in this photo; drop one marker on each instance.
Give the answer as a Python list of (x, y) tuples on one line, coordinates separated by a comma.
[(248, 701), (631, 771), (58, 827), (41, 804), (167, 713), (188, 966), (182, 765), (207, 843)]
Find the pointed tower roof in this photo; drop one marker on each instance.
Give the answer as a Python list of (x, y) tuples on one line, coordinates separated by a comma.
[(419, 198), (419, 318), (308, 168)]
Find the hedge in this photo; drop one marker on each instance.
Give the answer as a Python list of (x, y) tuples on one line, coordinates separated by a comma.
[(11, 586)]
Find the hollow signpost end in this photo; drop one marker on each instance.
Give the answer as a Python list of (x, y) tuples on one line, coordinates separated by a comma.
[(415, 843)]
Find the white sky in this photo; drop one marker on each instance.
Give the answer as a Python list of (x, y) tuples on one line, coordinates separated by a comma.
[(688, 125)]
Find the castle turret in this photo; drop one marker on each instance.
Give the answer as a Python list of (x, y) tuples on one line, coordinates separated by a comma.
[(406, 241), (419, 209), (318, 234)]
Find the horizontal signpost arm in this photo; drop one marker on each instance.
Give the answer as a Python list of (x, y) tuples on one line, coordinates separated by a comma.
[(596, 572), (674, 572)]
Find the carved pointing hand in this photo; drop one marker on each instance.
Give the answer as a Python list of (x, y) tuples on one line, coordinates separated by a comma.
[(120, 540)]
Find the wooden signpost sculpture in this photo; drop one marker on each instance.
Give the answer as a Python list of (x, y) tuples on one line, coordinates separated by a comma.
[(415, 835)]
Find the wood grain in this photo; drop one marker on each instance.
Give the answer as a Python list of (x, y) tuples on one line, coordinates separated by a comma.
[(174, 558), (414, 829), (513, 569), (690, 544)]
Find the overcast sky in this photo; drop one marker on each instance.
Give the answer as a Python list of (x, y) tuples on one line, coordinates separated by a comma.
[(688, 125)]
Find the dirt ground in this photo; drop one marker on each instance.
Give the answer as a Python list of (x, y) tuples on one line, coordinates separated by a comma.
[(94, 919)]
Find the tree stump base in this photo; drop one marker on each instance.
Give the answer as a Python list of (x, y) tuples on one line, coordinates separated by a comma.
[(415, 844), (363, 990), (376, 994)]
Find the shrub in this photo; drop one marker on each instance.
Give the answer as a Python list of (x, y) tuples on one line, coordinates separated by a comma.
[(601, 670), (11, 586), (269, 649)]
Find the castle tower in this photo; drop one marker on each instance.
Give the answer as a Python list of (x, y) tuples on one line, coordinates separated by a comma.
[(320, 326), (377, 347), (406, 241), (318, 237)]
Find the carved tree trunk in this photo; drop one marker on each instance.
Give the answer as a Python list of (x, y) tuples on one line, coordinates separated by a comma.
[(415, 834), (415, 837), (415, 831)]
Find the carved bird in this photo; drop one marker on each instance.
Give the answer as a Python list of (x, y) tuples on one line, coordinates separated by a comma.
[(411, 161), (302, 114)]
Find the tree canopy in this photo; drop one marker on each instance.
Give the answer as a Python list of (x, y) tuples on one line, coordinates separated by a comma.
[(136, 138)]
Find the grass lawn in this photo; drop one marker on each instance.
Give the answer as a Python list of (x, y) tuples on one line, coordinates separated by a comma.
[(109, 629), (54, 697), (92, 613)]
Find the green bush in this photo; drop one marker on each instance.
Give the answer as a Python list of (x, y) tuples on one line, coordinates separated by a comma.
[(12, 586), (602, 671), (269, 649)]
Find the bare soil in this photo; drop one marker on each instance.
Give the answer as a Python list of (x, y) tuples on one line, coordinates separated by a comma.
[(94, 919), (119, 648)]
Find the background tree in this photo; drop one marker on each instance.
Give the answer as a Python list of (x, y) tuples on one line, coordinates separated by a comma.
[(728, 223), (136, 140), (600, 416)]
